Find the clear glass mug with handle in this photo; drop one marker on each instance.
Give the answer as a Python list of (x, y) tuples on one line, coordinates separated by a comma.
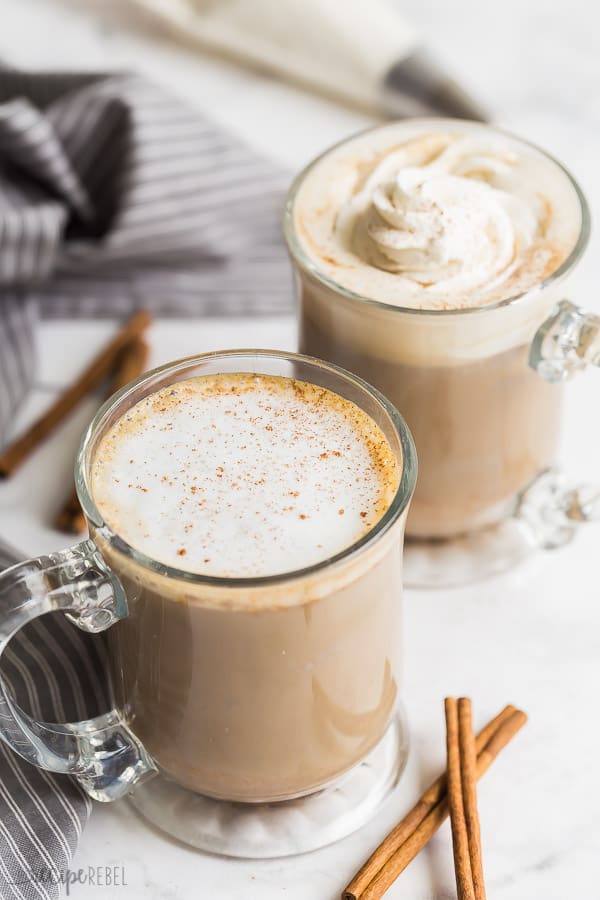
[(480, 388), (252, 716)]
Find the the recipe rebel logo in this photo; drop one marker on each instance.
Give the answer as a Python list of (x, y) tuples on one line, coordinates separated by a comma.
[(92, 876)]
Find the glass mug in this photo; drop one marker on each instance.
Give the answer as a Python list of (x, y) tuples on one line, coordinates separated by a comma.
[(480, 390), (231, 693)]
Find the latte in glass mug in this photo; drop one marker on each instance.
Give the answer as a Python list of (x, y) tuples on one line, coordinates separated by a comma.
[(427, 254), (235, 476)]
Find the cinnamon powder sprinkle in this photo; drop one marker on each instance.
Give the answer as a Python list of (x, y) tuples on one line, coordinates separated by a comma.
[(231, 456)]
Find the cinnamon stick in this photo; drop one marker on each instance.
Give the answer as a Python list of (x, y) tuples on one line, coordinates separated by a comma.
[(434, 793), (131, 362), (460, 837), (15, 454), (409, 837), (71, 519), (468, 774)]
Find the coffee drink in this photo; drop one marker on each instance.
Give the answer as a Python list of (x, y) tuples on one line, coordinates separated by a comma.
[(420, 250), (260, 656)]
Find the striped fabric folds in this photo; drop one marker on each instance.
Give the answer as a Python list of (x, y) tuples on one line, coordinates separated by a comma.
[(115, 195), (17, 351), (57, 673)]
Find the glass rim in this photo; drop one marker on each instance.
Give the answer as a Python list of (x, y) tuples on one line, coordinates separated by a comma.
[(304, 261), (398, 505)]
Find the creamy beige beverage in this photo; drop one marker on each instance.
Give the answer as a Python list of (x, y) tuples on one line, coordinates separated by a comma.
[(409, 241), (250, 690)]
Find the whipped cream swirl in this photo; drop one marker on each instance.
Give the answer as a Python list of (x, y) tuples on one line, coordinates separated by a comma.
[(452, 221)]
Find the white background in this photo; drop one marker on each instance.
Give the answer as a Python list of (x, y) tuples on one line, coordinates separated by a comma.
[(531, 638)]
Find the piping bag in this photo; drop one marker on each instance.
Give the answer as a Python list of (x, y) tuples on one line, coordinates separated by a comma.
[(359, 51)]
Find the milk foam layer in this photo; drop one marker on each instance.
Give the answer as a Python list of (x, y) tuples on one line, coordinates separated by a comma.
[(436, 215), (243, 475)]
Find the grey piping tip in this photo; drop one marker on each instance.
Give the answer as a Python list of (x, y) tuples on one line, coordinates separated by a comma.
[(417, 86)]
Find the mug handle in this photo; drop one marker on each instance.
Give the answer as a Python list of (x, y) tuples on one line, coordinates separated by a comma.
[(565, 343), (552, 507), (102, 753)]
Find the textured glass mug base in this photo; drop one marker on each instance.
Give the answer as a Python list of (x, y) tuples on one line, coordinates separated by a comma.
[(268, 830), (469, 558)]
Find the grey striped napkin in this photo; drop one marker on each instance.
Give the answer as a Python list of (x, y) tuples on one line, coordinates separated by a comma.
[(58, 674), (114, 195)]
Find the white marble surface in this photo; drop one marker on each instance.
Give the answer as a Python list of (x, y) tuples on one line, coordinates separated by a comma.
[(532, 637)]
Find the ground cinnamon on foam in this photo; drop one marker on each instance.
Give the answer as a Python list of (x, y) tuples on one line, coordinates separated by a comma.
[(242, 475)]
